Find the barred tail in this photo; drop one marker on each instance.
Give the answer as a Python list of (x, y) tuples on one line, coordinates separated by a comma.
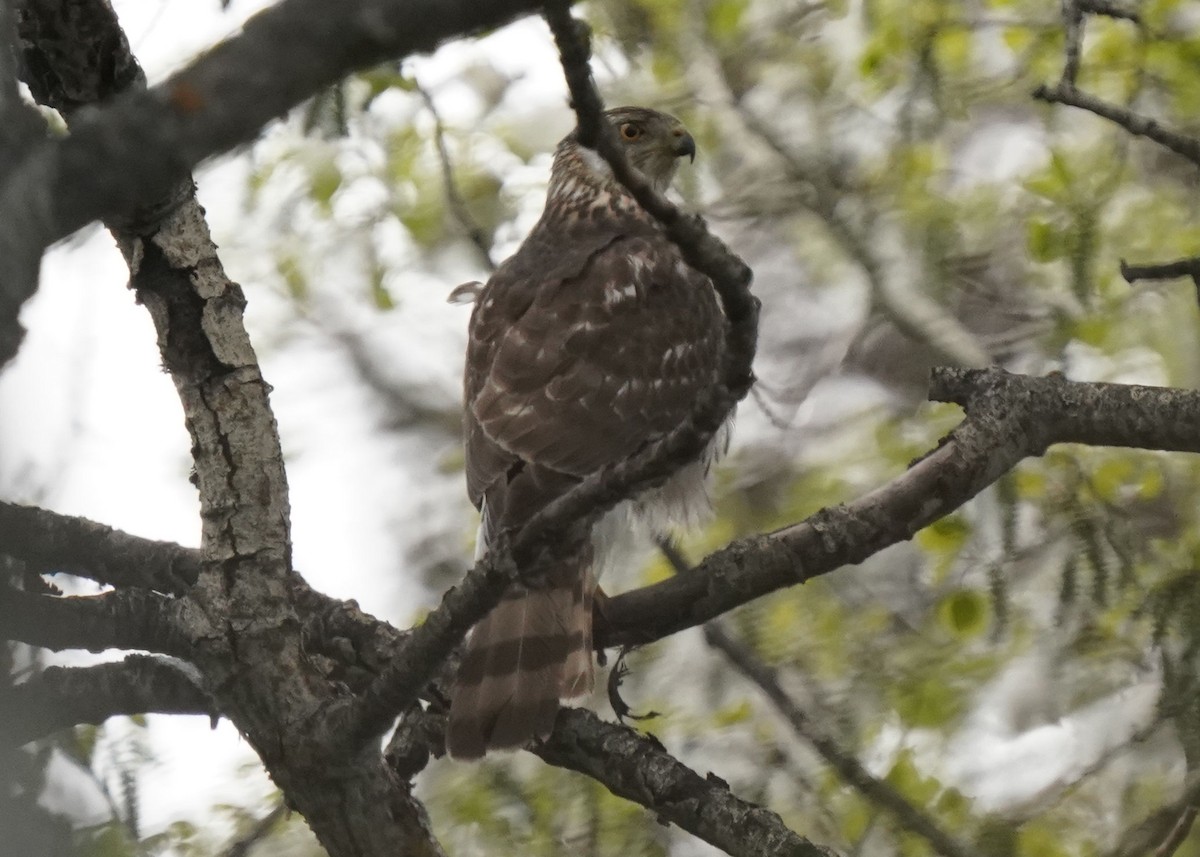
[(532, 649)]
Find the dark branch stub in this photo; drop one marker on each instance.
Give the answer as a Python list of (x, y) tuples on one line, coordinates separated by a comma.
[(1164, 271)]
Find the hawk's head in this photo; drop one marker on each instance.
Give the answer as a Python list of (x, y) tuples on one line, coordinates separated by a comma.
[(653, 141)]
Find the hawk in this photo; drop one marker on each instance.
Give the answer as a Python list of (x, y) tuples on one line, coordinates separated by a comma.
[(592, 341)]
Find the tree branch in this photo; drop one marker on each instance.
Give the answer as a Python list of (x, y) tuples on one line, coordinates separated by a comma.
[(1109, 9), (1162, 832), (637, 768), (1008, 418), (144, 143), (1134, 123), (1072, 15), (20, 129), (1164, 271), (133, 619), (59, 697), (1179, 833), (50, 543)]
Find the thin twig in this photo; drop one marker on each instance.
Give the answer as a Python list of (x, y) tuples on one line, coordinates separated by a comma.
[(848, 768), (1073, 33), (879, 792), (1179, 833), (1189, 267), (1109, 9), (261, 829), (1162, 832), (454, 198), (913, 313)]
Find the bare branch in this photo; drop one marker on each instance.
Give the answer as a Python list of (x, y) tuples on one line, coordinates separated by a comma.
[(50, 543), (412, 667), (1134, 123), (632, 766), (59, 697), (1109, 9), (638, 768), (1164, 271), (1072, 15), (1008, 418), (132, 619)]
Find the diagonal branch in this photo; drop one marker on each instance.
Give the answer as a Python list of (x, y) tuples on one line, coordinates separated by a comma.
[(852, 772), (1161, 833), (259, 831), (1135, 123), (49, 543), (632, 766), (454, 197), (1110, 9), (1179, 833), (1008, 418), (59, 697), (637, 768)]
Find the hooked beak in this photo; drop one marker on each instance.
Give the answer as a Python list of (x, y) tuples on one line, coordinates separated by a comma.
[(685, 145)]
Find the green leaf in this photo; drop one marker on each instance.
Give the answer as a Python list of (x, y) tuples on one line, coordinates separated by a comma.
[(910, 782), (731, 714), (947, 535), (725, 18), (926, 701), (1044, 241), (965, 613), (294, 279), (1040, 839), (324, 179)]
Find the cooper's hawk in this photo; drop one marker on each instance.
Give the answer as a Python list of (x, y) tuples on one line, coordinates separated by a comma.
[(593, 340)]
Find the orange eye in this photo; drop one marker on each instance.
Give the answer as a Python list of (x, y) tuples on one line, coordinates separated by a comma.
[(630, 131)]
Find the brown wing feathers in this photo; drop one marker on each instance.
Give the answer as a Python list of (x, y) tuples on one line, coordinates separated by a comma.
[(592, 340)]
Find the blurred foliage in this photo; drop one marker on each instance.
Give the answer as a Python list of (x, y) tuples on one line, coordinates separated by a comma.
[(883, 158)]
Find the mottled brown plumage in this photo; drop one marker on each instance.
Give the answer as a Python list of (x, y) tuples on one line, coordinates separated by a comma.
[(593, 340)]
